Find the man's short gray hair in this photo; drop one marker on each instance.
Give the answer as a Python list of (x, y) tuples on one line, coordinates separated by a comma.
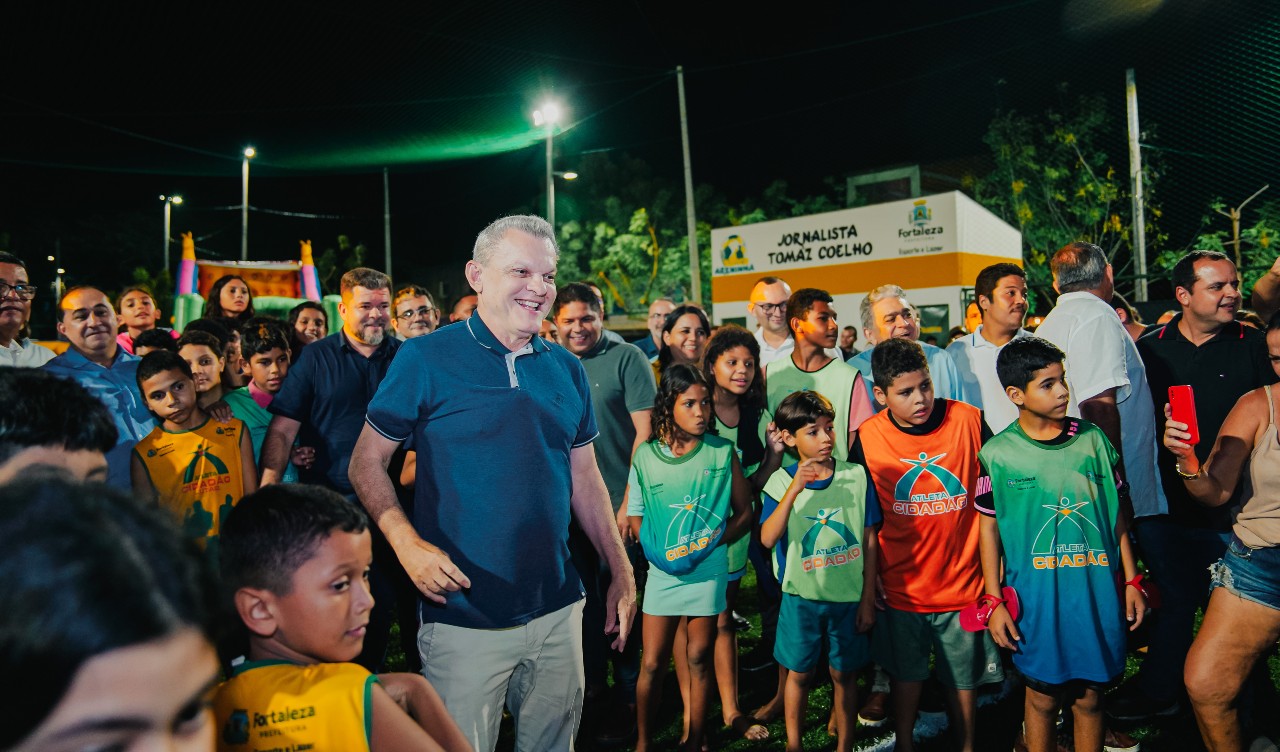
[(491, 236), (363, 276), (1078, 267), (875, 296)]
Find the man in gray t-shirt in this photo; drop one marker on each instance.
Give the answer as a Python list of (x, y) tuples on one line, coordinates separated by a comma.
[(622, 393)]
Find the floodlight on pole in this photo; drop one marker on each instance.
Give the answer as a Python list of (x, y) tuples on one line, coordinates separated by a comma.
[(249, 153), (169, 202), (549, 114)]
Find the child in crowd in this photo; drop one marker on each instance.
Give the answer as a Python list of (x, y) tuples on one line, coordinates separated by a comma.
[(296, 564), (820, 516), (810, 365), (737, 395), (227, 333), (137, 311), (687, 499), (307, 323), (154, 339), (193, 466), (229, 298), (203, 354), (1050, 502), (922, 455), (108, 623), (265, 344)]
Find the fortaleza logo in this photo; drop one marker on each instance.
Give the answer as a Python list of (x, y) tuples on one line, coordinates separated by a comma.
[(920, 218), (705, 532), (927, 489), (828, 542), (1068, 539), (733, 256)]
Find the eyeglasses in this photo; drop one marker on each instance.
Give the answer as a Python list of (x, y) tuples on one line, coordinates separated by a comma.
[(771, 308), (407, 315), (24, 292)]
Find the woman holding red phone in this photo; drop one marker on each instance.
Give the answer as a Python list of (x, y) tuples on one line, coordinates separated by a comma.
[(1243, 618)]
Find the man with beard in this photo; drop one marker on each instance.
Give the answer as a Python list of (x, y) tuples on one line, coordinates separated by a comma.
[(16, 293), (323, 403), (96, 362)]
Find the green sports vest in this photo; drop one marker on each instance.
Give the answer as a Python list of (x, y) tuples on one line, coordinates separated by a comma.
[(824, 547), (834, 381), (686, 503)]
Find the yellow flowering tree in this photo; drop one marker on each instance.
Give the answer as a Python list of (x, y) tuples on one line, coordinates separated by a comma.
[(1062, 176)]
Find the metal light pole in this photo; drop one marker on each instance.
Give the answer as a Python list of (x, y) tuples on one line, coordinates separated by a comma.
[(169, 201), (249, 153), (549, 115)]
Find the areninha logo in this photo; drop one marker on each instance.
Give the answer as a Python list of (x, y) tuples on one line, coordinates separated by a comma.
[(920, 218), (733, 256)]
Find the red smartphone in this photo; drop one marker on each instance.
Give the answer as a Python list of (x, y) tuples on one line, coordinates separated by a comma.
[(1182, 404)]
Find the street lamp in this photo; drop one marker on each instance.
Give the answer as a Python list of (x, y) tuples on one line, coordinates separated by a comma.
[(169, 201), (249, 153), (549, 115)]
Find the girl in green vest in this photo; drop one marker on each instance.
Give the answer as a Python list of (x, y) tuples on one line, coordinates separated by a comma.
[(687, 499)]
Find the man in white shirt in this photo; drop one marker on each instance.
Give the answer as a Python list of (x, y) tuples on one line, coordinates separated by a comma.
[(1107, 377), (16, 294), (1001, 291)]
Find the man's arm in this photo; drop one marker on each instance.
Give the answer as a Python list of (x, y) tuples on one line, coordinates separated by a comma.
[(431, 569), (276, 448), (1266, 291), (1102, 411), (594, 513), (248, 468)]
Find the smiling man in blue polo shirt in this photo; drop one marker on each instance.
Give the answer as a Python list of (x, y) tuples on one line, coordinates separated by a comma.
[(503, 426)]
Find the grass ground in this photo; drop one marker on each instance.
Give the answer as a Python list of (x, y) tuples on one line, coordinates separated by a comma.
[(997, 724)]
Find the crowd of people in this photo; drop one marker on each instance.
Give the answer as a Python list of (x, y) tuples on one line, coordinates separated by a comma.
[(210, 533)]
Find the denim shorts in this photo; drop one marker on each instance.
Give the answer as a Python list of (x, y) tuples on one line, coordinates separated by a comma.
[(1250, 573)]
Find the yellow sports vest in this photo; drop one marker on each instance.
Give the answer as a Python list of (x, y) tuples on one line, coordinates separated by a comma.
[(197, 474), (268, 706)]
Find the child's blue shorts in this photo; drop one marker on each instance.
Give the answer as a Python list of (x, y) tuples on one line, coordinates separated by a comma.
[(803, 625)]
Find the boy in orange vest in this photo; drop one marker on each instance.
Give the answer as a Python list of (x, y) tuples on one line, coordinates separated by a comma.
[(922, 455)]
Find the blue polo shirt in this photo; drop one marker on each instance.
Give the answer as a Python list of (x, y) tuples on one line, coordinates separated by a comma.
[(117, 388), (493, 430), (327, 390)]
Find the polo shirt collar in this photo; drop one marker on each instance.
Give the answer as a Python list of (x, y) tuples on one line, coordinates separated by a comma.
[(976, 339), (482, 334), (383, 350), (73, 358), (1231, 330)]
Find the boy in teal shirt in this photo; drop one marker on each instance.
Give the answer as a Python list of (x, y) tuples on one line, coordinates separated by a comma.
[(1050, 501), (821, 515), (264, 345)]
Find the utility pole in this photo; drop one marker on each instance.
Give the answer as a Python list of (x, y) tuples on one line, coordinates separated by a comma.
[(695, 269), (1135, 186)]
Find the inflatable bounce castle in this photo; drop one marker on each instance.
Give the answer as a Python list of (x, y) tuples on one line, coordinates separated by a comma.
[(277, 286)]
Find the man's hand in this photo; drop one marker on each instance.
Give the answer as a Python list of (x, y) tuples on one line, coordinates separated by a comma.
[(1003, 631), (620, 608), (433, 572), (303, 457)]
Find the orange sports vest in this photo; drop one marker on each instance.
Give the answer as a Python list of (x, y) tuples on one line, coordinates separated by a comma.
[(929, 560)]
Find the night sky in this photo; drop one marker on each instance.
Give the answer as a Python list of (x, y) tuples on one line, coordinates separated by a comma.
[(106, 106)]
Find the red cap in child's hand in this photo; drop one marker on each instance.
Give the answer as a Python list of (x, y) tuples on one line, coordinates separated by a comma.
[(974, 618)]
